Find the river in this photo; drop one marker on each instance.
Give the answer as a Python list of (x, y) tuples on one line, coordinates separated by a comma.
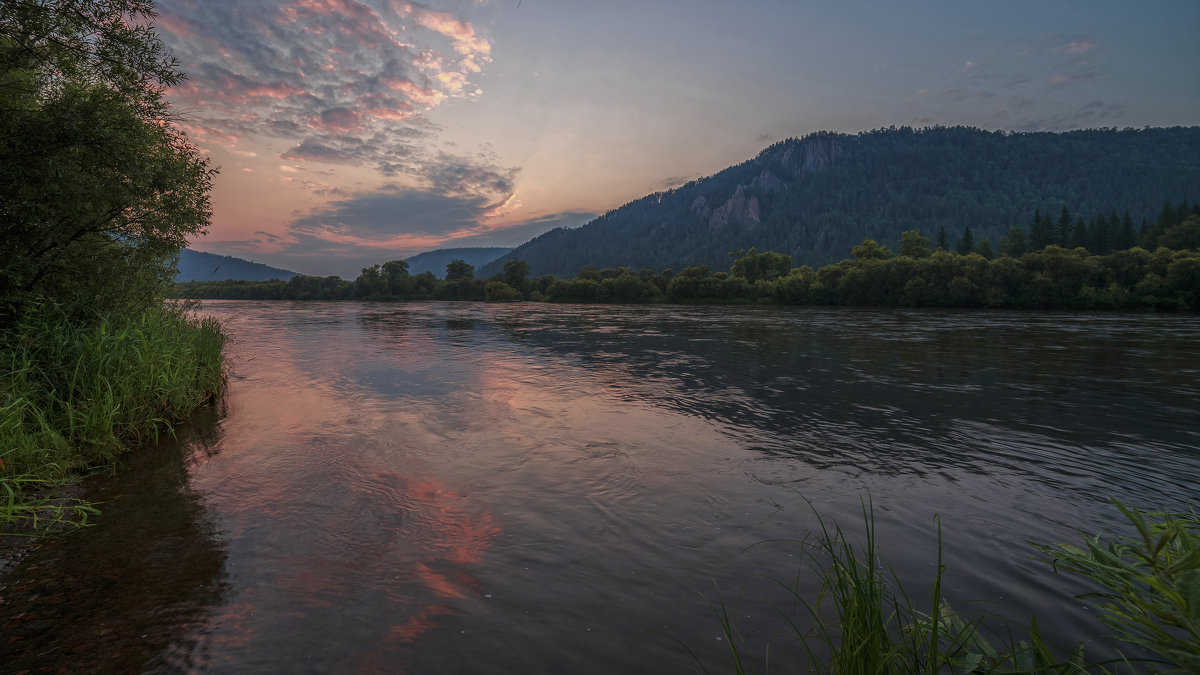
[(529, 488)]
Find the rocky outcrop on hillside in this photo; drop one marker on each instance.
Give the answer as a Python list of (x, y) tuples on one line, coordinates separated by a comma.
[(737, 211)]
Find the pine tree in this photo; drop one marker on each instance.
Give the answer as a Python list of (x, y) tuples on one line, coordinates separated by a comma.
[(966, 242), (1040, 235), (1128, 237), (1079, 234), (1062, 233)]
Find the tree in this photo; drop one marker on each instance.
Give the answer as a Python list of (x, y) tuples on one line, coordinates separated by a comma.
[(870, 249), (1062, 230), (459, 270), (589, 273), (1041, 232), (754, 266), (966, 242), (1128, 237), (99, 189), (1014, 244), (913, 245), (1079, 234), (498, 291), (370, 282), (395, 277), (515, 272), (1182, 235), (943, 244)]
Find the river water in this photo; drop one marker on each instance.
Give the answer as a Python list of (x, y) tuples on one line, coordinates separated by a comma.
[(527, 488)]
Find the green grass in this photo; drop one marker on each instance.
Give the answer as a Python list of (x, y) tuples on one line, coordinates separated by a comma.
[(1150, 584), (862, 621), (75, 395)]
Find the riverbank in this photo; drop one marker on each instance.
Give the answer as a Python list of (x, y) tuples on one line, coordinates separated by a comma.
[(76, 392), (1054, 278)]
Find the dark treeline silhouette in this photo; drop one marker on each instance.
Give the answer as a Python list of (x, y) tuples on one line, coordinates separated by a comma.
[(1101, 262)]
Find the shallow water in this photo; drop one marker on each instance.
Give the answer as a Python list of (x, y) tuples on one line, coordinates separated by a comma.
[(464, 487)]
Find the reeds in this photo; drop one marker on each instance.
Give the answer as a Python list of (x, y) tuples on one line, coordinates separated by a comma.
[(861, 620), (74, 395)]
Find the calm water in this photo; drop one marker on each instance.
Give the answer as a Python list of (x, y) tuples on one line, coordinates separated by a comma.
[(556, 489)]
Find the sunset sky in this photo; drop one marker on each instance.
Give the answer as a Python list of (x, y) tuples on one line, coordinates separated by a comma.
[(351, 132)]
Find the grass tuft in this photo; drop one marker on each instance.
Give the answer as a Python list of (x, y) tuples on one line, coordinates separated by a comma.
[(862, 621), (74, 395)]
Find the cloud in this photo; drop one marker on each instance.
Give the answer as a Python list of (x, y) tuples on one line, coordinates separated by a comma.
[(1092, 114), (970, 65), (345, 81), (1080, 47), (392, 216), (370, 228), (1066, 80), (518, 233), (457, 175)]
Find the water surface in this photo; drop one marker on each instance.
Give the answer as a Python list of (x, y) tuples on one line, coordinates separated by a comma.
[(464, 487)]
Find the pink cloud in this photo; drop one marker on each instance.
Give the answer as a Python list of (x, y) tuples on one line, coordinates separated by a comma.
[(275, 90), (423, 95), (357, 20), (204, 134), (336, 120), (174, 24), (342, 81), (461, 33)]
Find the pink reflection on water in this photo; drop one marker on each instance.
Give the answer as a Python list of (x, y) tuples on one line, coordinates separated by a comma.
[(332, 527)]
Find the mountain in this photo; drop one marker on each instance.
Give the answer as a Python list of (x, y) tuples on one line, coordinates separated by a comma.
[(816, 197), (200, 266), (436, 261)]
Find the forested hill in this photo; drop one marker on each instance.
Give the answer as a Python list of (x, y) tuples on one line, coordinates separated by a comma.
[(200, 266), (816, 197), (436, 261)]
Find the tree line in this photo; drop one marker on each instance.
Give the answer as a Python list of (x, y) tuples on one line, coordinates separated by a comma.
[(816, 197), (1027, 268)]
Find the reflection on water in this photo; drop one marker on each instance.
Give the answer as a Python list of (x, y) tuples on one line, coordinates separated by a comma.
[(479, 488), (134, 593)]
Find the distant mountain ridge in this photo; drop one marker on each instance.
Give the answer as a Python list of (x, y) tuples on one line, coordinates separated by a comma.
[(200, 266), (816, 197), (436, 261)]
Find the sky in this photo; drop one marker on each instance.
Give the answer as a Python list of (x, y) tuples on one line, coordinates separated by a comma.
[(352, 132)]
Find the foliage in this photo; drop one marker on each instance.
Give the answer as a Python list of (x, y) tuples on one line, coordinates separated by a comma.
[(498, 291), (754, 266), (75, 395), (820, 195), (914, 245), (862, 620), (98, 187), (1151, 583), (459, 270), (1048, 278), (35, 515), (515, 272)]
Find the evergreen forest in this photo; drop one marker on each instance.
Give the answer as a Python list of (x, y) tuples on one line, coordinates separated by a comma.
[(814, 198), (1046, 265)]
